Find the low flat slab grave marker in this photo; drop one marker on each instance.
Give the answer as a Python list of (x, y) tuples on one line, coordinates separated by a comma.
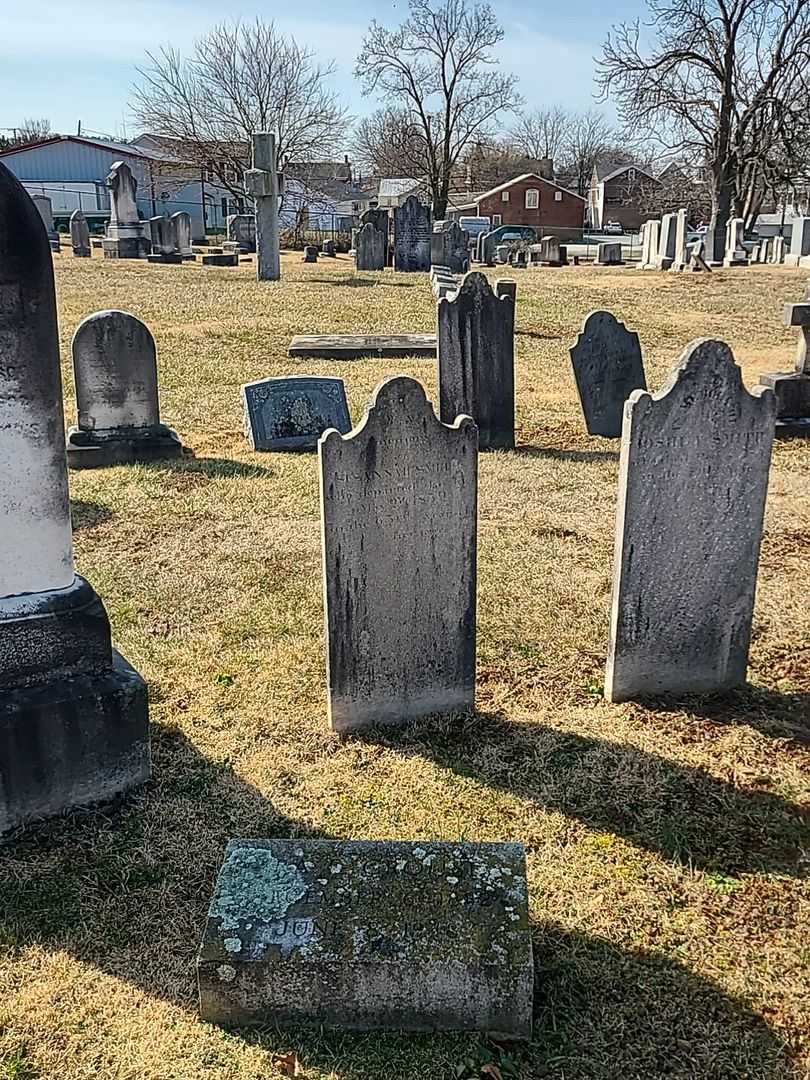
[(693, 477), (476, 332), (230, 258), (398, 506), (115, 370), (79, 235), (353, 346), (74, 725), (792, 388), (370, 247), (412, 232), (607, 367), (292, 413), (363, 935)]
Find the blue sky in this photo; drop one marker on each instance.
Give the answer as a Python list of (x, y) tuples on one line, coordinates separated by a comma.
[(71, 60)]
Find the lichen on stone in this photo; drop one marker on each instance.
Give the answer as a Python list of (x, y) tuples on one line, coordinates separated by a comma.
[(255, 886)]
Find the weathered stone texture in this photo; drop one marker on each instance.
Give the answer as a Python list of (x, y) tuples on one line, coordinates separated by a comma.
[(607, 367), (370, 247), (412, 236), (292, 413)]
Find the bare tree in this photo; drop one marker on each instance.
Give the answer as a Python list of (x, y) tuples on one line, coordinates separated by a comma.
[(722, 85), (542, 133), (437, 70), (240, 78), (32, 130), (389, 143), (588, 141)]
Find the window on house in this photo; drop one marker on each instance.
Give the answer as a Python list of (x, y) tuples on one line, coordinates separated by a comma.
[(496, 220), (504, 196), (224, 208), (532, 198), (557, 196)]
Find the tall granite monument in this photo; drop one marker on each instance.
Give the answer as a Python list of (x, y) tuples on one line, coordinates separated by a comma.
[(262, 183), (73, 714), (125, 237)]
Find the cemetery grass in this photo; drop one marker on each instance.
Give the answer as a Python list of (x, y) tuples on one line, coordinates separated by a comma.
[(667, 847)]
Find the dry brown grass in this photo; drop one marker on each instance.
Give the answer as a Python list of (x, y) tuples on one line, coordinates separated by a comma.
[(668, 890)]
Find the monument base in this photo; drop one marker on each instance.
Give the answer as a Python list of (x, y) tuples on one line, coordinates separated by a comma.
[(72, 742), (171, 258), (227, 259), (792, 260), (126, 247), (89, 450), (792, 390), (81, 253)]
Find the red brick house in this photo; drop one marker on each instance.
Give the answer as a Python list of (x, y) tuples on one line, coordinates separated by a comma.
[(527, 200)]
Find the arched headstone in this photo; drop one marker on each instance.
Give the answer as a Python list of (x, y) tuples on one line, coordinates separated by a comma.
[(607, 367), (79, 235)]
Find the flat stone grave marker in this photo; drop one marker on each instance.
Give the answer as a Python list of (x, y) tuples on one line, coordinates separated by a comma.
[(693, 477), (476, 331), (412, 236), (398, 505), (607, 367), (229, 258), (363, 935), (292, 413), (354, 346), (115, 371)]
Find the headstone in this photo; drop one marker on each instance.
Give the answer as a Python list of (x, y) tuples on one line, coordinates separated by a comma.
[(609, 255), (181, 226), (450, 246), (412, 236), (310, 254), (45, 209), (792, 389), (79, 235), (502, 254), (607, 367), (506, 287), (355, 346), (550, 251), (666, 242), (681, 258), (73, 714), (442, 282), (328, 249), (380, 219), (262, 183), (125, 237), (697, 262), (799, 241), (369, 248), (162, 240), (754, 254), (398, 505), (650, 232), (778, 250), (228, 258), (364, 935), (735, 252), (241, 229), (765, 249), (693, 476), (55, 245), (292, 413), (115, 371), (476, 336)]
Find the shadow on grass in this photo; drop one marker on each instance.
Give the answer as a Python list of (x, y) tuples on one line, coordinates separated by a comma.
[(85, 514), (567, 455), (213, 468), (126, 889), (781, 716), (538, 335), (678, 811)]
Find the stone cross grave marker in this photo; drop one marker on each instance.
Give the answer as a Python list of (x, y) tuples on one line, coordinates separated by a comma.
[(369, 248), (607, 367), (476, 343), (262, 183), (79, 235), (115, 371), (792, 388), (125, 237), (693, 477), (364, 935), (398, 506), (450, 247), (412, 236), (291, 413), (73, 714)]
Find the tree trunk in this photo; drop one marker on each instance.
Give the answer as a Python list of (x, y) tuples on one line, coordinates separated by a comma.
[(722, 199)]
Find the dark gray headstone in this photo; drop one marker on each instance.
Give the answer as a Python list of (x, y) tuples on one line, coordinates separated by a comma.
[(380, 219), (476, 336), (692, 483), (450, 247), (607, 367), (611, 254), (370, 248), (292, 413), (241, 229), (79, 235), (73, 717), (162, 238), (398, 503), (360, 935), (310, 253), (181, 227), (115, 371), (412, 236), (230, 258)]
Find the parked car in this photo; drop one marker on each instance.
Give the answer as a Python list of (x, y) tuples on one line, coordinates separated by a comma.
[(474, 226), (613, 227)]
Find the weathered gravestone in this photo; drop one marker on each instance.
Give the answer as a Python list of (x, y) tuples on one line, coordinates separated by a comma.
[(44, 207), (778, 250), (162, 240), (412, 236), (125, 237), (292, 413), (229, 258), (380, 219), (735, 252), (355, 346), (692, 482), (310, 254), (609, 255), (241, 229), (607, 367), (398, 505), (550, 251), (73, 714), (799, 242), (79, 235), (681, 258), (476, 341), (181, 227), (506, 287), (450, 247), (262, 183), (363, 935), (328, 249), (792, 388), (666, 242), (650, 232), (115, 371)]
